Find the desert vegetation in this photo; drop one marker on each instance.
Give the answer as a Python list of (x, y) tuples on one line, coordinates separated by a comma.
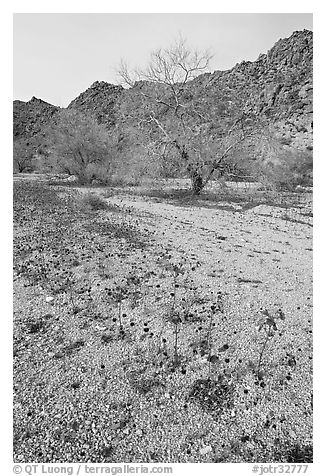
[(79, 146), (143, 337), (173, 120), (163, 275), (204, 133), (23, 154)]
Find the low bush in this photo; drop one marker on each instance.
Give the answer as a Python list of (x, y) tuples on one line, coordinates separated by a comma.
[(294, 168), (23, 157), (93, 202), (80, 146)]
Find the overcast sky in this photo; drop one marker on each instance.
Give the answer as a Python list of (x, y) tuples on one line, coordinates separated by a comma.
[(57, 56)]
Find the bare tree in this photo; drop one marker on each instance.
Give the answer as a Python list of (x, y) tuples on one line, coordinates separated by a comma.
[(204, 127)]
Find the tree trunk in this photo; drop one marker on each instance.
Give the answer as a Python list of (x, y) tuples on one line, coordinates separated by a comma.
[(197, 183), (82, 178)]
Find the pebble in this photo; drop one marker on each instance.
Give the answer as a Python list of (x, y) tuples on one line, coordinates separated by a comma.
[(88, 407), (206, 449), (115, 426), (101, 328)]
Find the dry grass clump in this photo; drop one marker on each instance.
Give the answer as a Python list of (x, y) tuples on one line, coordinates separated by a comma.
[(93, 202)]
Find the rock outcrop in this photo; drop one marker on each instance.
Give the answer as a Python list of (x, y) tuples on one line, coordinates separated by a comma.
[(99, 100), (280, 83), (31, 117)]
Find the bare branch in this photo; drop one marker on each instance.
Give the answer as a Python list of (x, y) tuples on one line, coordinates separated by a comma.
[(205, 125), (125, 74)]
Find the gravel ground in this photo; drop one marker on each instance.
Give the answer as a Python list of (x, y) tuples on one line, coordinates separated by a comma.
[(89, 388)]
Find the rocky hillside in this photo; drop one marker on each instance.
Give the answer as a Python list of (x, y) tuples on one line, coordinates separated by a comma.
[(280, 83), (30, 118), (99, 100)]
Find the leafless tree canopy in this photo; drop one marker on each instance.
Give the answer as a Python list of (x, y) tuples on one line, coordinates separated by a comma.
[(178, 111), (172, 66)]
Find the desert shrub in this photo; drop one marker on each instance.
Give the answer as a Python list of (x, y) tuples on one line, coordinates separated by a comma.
[(292, 452), (300, 454), (294, 168), (136, 165), (99, 173), (280, 166), (81, 147), (213, 396), (300, 168), (93, 202), (23, 156)]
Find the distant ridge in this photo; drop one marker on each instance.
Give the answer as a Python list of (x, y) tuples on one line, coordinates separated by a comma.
[(281, 82)]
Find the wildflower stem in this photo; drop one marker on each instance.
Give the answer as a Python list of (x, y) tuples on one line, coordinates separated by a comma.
[(268, 335)]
